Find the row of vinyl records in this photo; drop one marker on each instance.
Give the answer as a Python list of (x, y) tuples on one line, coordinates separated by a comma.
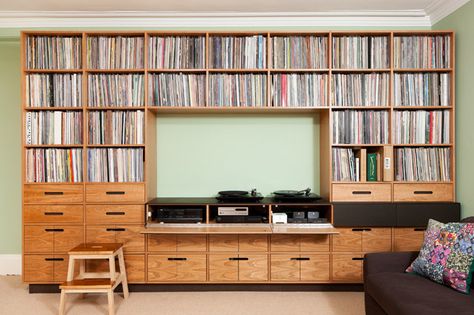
[(116, 127), (55, 127), (238, 90), (422, 89), (360, 127), (411, 164), (188, 52), (65, 165), (176, 89), (427, 127)]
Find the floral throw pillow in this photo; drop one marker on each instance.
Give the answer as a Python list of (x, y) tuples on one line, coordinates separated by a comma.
[(447, 255)]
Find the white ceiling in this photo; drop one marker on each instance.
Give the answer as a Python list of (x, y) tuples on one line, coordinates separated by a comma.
[(223, 13)]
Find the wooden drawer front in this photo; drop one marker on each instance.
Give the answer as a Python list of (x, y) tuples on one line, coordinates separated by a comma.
[(314, 243), (191, 268), (361, 192), (253, 267), (284, 268), (161, 268), (223, 243), (161, 242), (348, 240), (191, 243), (115, 193), (408, 239), (38, 268), (53, 214), (223, 268), (134, 265), (39, 239), (70, 237), (129, 235), (314, 267), (100, 214), (423, 192), (377, 240), (55, 193), (347, 267), (285, 243), (253, 243)]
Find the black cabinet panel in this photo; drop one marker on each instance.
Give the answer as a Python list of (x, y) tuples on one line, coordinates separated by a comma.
[(418, 214), (364, 214)]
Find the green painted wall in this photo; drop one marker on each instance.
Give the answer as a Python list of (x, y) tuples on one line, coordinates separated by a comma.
[(462, 22), (10, 147)]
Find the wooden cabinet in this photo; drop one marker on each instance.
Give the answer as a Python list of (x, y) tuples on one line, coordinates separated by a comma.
[(408, 239), (46, 268), (423, 192), (362, 240), (302, 267), (238, 267), (299, 243), (115, 193), (129, 235), (177, 268), (54, 238), (347, 267), (362, 192)]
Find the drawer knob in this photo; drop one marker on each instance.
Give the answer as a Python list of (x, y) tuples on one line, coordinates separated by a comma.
[(53, 213), (54, 259), (357, 230), (419, 229), (300, 258), (423, 192), (115, 192), (238, 258), (177, 258), (361, 192), (357, 258), (54, 193), (115, 213), (54, 230), (115, 229)]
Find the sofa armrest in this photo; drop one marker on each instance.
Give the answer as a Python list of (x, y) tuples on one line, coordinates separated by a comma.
[(387, 262)]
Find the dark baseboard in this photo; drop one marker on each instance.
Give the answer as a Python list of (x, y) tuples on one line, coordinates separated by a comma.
[(54, 288)]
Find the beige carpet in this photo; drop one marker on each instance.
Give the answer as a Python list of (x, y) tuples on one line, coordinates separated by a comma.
[(15, 299)]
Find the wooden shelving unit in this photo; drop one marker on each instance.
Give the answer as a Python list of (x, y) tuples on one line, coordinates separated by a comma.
[(59, 215)]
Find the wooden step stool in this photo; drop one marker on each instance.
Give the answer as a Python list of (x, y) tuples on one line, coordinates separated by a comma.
[(95, 282)]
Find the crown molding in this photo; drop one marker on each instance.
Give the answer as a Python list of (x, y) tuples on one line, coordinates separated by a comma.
[(44, 19), (440, 9)]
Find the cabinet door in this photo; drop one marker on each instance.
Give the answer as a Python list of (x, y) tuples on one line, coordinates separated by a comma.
[(347, 267), (285, 267), (130, 237), (162, 242), (191, 243), (38, 268), (314, 243), (135, 267), (161, 268), (285, 243), (39, 239), (348, 240), (314, 267), (223, 243), (377, 240), (223, 267), (408, 239), (67, 237), (253, 243), (253, 267), (191, 268)]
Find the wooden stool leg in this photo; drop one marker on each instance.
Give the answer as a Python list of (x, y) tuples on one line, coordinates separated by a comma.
[(123, 274), (62, 302), (110, 297), (70, 269)]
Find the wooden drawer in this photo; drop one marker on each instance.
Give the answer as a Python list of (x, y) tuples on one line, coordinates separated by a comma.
[(284, 268), (177, 243), (423, 192), (302, 267), (347, 267), (362, 239), (238, 267), (134, 265), (408, 239), (53, 214), (129, 235), (123, 214), (53, 193), (57, 238), (177, 268), (46, 268), (115, 193), (161, 269), (361, 192), (299, 243), (314, 267), (253, 267), (234, 243), (348, 240), (223, 268)]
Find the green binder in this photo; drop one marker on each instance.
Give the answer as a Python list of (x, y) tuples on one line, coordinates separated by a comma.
[(371, 167)]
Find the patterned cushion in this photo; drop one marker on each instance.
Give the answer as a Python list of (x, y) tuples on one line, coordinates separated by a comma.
[(447, 255)]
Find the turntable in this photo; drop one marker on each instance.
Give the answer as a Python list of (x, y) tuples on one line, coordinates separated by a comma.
[(295, 195), (239, 196)]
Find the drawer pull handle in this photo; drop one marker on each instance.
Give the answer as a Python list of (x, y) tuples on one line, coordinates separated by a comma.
[(54, 193), (357, 258), (54, 213), (419, 229), (115, 213), (115, 229), (361, 192), (54, 230), (115, 192), (423, 192), (300, 258), (238, 258), (178, 258), (357, 230), (54, 259), (367, 230)]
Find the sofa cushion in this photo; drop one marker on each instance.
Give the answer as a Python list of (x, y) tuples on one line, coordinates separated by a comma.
[(447, 255), (408, 294)]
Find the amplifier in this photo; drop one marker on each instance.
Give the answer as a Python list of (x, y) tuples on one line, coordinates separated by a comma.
[(240, 219), (233, 210), (178, 215)]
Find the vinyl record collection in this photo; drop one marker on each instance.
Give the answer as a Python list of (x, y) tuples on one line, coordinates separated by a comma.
[(53, 52), (425, 52), (360, 89), (170, 89), (116, 90), (115, 52), (53, 165), (53, 127), (116, 127), (115, 165), (241, 52), (54, 90), (422, 127), (177, 52), (299, 90), (422, 89), (239, 90), (423, 164), (299, 52), (360, 127), (344, 165), (360, 52)]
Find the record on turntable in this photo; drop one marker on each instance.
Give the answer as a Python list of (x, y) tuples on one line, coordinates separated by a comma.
[(295, 195), (239, 196)]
